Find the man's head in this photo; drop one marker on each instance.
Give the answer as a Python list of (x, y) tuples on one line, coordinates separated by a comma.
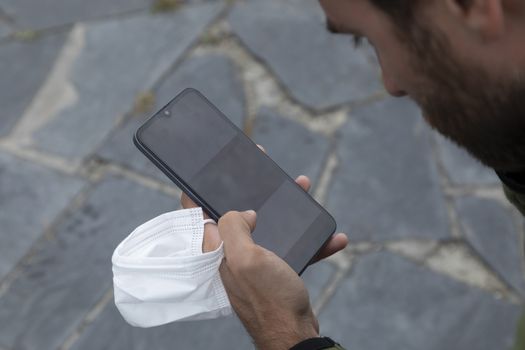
[(462, 61)]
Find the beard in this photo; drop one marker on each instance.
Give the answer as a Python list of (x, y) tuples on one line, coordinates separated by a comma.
[(479, 112)]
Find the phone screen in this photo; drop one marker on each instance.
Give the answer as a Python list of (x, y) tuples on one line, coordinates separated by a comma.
[(222, 170)]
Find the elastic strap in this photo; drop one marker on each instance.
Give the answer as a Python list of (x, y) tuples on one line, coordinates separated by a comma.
[(209, 221)]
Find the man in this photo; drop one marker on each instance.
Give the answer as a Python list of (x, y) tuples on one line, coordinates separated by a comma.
[(463, 62)]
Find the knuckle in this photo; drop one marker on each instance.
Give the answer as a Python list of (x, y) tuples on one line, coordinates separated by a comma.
[(230, 217)]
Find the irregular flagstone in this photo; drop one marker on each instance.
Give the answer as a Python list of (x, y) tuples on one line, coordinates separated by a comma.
[(110, 331), (319, 69), (70, 272), (386, 185), (5, 30), (120, 149), (461, 167), (317, 277), (24, 66), (40, 14), (117, 60), (390, 303), (31, 196), (213, 75), (296, 149), (490, 229)]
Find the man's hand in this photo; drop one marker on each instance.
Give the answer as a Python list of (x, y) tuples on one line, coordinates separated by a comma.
[(267, 294)]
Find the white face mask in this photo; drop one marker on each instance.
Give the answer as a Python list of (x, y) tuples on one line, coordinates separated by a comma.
[(161, 275)]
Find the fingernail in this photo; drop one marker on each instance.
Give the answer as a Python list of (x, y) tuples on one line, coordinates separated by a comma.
[(250, 212)]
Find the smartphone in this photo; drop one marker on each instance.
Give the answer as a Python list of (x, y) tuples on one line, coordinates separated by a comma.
[(221, 169)]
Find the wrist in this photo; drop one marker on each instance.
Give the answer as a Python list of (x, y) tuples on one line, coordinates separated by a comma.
[(285, 335)]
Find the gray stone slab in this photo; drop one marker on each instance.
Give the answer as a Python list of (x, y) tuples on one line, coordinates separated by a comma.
[(490, 229), (31, 196), (119, 59), (461, 167), (110, 331), (213, 75), (119, 149), (216, 77), (387, 186), (5, 29), (41, 14), (317, 277), (24, 66), (69, 272), (296, 149), (319, 69), (390, 303)]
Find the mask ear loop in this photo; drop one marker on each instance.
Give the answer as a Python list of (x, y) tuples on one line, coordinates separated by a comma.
[(209, 221)]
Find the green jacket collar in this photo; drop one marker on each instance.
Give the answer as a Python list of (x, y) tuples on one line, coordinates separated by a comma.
[(514, 181)]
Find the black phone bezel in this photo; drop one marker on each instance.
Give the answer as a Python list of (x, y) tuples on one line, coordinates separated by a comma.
[(179, 182)]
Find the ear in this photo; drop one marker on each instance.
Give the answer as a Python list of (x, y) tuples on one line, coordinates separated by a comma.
[(484, 17)]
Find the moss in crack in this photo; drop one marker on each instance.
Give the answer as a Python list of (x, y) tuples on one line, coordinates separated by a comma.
[(144, 103), (165, 6), (210, 39), (26, 35), (520, 334)]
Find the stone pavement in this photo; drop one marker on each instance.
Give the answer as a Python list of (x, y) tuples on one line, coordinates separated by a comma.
[(436, 260)]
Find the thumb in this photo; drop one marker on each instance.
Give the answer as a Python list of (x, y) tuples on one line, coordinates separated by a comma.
[(250, 217), (235, 229)]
